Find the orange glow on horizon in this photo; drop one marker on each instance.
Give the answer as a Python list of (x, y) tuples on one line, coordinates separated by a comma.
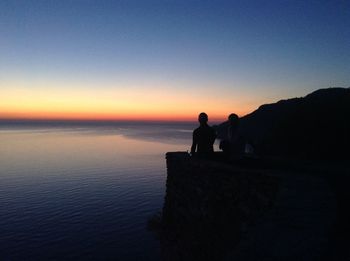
[(107, 117), (128, 103), (145, 115)]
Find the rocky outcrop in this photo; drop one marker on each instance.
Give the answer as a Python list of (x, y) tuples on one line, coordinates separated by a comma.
[(312, 127), (249, 209), (208, 204)]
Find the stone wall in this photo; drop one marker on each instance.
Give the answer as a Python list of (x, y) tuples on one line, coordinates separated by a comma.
[(208, 205)]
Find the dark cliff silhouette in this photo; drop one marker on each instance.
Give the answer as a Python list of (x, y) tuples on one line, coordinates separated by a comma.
[(207, 206), (316, 126)]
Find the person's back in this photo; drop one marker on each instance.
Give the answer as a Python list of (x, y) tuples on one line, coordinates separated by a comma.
[(233, 136), (203, 137), (231, 145)]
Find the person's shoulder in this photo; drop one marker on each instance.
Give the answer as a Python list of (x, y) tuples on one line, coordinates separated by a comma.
[(196, 130)]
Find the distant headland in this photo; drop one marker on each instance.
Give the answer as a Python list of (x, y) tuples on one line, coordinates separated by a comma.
[(314, 126)]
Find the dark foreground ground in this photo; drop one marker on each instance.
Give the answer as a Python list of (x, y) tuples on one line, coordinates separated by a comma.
[(321, 192), (307, 220), (339, 181), (310, 220)]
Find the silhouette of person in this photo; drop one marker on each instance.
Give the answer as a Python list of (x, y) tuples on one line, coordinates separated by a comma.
[(232, 131), (203, 137), (231, 145)]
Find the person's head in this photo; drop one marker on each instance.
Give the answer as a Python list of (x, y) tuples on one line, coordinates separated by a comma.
[(203, 118), (233, 119)]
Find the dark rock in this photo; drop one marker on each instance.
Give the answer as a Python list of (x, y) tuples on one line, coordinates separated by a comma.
[(316, 126), (208, 204)]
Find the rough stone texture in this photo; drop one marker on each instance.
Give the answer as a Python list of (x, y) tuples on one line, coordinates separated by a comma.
[(208, 205), (218, 211), (298, 227)]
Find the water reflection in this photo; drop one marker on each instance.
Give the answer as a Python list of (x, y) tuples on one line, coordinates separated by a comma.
[(79, 193)]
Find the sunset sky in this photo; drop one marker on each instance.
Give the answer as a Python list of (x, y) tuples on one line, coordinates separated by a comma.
[(166, 59)]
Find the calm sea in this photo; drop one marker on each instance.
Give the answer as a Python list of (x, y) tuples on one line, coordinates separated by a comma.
[(83, 190)]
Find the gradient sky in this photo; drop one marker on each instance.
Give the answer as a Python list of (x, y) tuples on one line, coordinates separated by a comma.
[(166, 59)]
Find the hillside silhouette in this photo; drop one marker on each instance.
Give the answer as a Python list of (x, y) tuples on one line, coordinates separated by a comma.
[(312, 127)]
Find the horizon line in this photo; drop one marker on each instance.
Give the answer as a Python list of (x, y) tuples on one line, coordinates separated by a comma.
[(150, 120)]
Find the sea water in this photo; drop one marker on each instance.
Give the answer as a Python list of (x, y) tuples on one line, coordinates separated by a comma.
[(83, 190)]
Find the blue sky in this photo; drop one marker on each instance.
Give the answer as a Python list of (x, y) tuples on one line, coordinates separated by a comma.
[(250, 51)]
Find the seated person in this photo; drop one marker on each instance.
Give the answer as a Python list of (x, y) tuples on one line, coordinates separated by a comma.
[(203, 137), (233, 144)]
